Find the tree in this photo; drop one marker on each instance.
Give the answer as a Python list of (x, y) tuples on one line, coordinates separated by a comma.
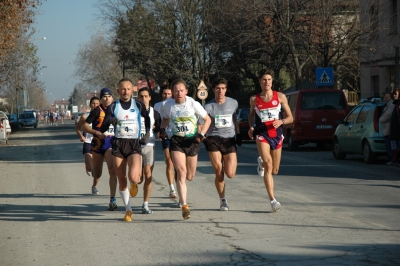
[(96, 63)]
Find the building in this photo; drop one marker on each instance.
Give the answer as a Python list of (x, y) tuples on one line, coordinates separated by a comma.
[(379, 52)]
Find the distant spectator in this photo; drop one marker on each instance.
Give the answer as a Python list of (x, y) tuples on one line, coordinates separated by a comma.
[(385, 120), (395, 127)]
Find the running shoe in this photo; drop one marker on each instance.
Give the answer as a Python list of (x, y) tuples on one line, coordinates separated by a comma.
[(260, 168), (128, 216), (224, 206), (185, 212), (95, 191), (179, 205), (112, 205), (133, 190), (146, 210), (275, 206), (391, 163), (172, 194)]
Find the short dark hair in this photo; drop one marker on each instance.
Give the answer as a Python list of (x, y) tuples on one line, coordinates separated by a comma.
[(266, 71), (93, 99), (219, 81), (164, 87), (145, 89)]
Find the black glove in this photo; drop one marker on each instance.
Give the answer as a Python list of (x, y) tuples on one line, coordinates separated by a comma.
[(114, 121), (162, 134), (145, 139), (239, 140), (198, 138)]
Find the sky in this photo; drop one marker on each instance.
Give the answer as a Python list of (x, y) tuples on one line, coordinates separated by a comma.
[(66, 24)]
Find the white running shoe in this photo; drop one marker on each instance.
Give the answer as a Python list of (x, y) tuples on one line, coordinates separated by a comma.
[(260, 168), (95, 191), (224, 206), (276, 206)]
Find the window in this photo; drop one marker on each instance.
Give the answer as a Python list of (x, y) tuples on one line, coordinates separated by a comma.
[(362, 117), (292, 102), (353, 115), (323, 101), (373, 22)]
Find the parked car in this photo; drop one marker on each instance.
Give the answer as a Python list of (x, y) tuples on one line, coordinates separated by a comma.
[(314, 114), (242, 116), (28, 119), (5, 123), (360, 132), (12, 118), (77, 117)]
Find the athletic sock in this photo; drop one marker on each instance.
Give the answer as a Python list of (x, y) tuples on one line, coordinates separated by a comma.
[(171, 187), (125, 199), (273, 201), (223, 200)]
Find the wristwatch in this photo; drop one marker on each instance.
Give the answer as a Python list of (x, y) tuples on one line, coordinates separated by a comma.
[(283, 121)]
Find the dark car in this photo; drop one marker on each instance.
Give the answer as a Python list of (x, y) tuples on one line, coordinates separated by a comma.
[(243, 116), (28, 119), (12, 118)]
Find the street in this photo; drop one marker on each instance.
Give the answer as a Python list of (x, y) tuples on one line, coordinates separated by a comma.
[(333, 212)]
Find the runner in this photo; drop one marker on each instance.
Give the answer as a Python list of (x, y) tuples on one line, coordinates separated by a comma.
[(101, 145), (268, 130), (86, 138), (144, 95), (169, 169), (180, 114), (126, 115), (220, 141)]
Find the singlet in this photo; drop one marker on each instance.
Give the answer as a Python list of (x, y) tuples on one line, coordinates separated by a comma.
[(98, 122), (143, 127), (183, 116), (267, 112), (129, 121), (223, 117), (159, 107)]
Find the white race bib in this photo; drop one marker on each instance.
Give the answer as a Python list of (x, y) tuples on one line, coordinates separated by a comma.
[(269, 114), (222, 121), (127, 128)]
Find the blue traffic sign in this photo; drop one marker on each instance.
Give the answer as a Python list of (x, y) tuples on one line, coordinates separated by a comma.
[(324, 76)]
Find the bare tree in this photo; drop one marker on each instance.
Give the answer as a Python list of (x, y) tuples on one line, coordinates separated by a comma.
[(96, 63)]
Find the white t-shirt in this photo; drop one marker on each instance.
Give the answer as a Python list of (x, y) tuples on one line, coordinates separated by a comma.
[(183, 116)]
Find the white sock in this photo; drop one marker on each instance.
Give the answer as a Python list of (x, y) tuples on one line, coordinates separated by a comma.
[(223, 199), (145, 203), (125, 199), (273, 201), (171, 187)]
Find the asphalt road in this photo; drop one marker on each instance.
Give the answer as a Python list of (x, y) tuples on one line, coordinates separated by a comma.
[(333, 212)]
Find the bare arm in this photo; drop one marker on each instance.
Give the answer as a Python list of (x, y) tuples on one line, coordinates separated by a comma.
[(78, 127), (85, 127), (251, 116), (285, 105)]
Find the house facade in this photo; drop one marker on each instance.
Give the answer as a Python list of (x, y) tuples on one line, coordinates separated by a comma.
[(379, 53)]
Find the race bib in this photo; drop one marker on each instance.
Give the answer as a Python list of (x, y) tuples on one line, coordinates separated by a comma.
[(110, 131), (127, 128), (223, 121), (184, 128), (269, 114)]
